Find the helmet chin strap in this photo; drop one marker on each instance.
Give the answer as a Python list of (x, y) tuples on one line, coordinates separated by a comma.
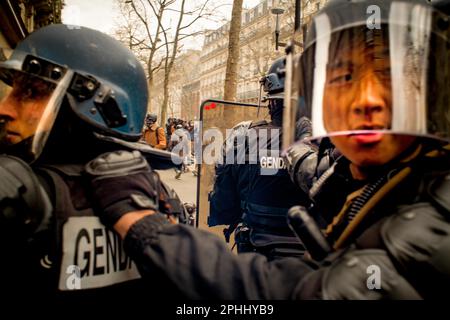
[(20, 149), (276, 111)]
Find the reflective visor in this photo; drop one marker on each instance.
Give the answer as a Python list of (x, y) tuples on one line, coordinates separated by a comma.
[(366, 79), (31, 92)]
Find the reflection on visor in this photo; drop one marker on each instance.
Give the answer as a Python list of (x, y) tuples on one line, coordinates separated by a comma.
[(394, 78), (357, 93), (31, 93), (28, 108), (22, 106), (5, 53), (26, 87)]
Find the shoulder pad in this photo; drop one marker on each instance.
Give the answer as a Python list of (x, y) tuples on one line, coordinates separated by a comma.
[(243, 124), (116, 163), (236, 136), (158, 159), (240, 130), (439, 190), (239, 135), (258, 123)]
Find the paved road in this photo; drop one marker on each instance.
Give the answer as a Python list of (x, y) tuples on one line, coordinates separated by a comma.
[(186, 186)]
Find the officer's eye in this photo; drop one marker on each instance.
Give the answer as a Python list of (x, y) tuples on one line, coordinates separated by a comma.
[(340, 72), (31, 88), (340, 78)]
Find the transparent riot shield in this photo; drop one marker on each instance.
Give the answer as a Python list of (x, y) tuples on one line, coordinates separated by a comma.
[(217, 118)]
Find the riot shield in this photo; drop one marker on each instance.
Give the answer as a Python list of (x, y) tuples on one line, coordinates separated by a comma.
[(217, 118)]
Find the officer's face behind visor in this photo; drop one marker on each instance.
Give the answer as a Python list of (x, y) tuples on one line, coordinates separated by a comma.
[(30, 96), (373, 91)]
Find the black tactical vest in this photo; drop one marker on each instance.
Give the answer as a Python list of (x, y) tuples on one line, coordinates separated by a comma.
[(74, 257)]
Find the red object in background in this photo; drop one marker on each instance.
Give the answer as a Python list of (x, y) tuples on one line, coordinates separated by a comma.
[(210, 106)]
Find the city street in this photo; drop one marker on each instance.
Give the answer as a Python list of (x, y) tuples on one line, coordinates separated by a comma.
[(186, 186)]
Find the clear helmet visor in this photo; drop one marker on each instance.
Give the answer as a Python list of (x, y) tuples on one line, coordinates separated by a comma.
[(31, 93), (367, 80)]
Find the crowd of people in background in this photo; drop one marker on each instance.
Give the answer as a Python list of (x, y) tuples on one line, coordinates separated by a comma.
[(176, 132)]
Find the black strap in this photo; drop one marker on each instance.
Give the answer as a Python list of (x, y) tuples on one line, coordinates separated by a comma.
[(228, 231)]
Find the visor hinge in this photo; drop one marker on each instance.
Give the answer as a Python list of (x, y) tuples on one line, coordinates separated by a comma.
[(83, 87), (106, 103)]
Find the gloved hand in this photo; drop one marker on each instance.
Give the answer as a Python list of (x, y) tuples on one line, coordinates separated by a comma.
[(418, 240), (303, 128), (122, 182), (358, 275), (301, 164)]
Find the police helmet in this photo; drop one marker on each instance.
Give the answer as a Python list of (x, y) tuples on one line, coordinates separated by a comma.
[(398, 49), (441, 5), (273, 82), (94, 75)]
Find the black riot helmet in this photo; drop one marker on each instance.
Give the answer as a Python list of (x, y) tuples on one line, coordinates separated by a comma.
[(273, 82), (75, 74), (374, 67), (273, 85)]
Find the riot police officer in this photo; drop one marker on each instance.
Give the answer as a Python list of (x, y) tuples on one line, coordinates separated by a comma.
[(377, 85), (254, 197), (68, 95)]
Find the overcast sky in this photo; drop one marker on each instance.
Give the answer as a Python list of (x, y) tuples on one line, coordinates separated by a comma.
[(100, 14)]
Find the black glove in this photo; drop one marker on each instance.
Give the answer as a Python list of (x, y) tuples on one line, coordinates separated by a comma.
[(354, 276), (418, 240), (122, 182), (301, 164), (303, 129)]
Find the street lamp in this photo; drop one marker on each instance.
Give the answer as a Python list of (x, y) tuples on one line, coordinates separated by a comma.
[(277, 12)]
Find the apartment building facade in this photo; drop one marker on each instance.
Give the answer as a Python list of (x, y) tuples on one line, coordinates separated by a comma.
[(184, 74), (19, 17), (257, 52)]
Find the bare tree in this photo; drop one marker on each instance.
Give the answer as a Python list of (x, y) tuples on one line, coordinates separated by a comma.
[(233, 52), (260, 56), (141, 34), (159, 38), (257, 59), (181, 32), (129, 31)]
